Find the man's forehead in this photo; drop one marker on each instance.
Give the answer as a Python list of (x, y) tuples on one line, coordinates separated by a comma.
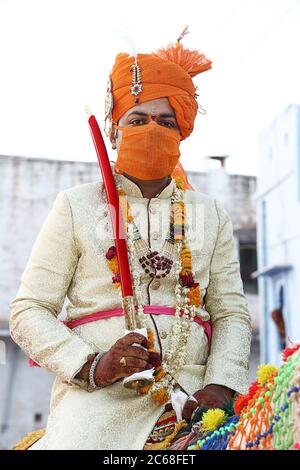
[(154, 106)]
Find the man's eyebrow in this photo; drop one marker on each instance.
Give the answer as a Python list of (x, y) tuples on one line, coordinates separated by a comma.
[(167, 115), (142, 113)]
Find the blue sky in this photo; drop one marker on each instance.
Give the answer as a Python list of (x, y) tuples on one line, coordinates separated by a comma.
[(56, 55)]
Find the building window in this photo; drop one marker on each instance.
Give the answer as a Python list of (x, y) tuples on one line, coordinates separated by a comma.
[(38, 417), (248, 262), (278, 318)]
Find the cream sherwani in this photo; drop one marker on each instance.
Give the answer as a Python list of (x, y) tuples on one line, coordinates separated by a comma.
[(68, 260)]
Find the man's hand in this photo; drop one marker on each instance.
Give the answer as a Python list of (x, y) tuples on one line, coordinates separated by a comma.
[(122, 360), (211, 396)]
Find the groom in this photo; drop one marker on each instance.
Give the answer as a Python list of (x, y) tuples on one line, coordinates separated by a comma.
[(151, 108)]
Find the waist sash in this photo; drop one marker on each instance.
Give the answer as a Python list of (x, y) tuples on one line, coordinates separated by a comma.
[(118, 312)]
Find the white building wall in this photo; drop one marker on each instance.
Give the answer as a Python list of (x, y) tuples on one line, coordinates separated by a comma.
[(234, 192), (279, 243), (28, 188)]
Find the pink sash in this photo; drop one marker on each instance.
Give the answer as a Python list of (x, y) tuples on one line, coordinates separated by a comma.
[(118, 312)]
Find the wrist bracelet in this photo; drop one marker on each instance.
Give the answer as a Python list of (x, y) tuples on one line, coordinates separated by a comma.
[(92, 385)]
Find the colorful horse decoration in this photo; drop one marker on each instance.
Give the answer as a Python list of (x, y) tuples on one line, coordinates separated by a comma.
[(266, 418)]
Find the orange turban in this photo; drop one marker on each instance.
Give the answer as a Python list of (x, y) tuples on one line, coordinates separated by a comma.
[(165, 73)]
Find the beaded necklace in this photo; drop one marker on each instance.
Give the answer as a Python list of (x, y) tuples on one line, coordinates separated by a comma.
[(176, 254)]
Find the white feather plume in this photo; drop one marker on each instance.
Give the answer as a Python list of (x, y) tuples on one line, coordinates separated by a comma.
[(124, 32)]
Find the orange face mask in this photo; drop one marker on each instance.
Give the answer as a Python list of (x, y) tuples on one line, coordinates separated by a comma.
[(148, 151)]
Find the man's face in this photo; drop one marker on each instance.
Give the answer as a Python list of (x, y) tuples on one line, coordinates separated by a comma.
[(154, 112)]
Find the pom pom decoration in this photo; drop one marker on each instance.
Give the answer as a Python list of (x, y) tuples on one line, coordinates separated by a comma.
[(240, 403), (266, 372), (212, 419), (191, 60), (253, 389), (289, 351)]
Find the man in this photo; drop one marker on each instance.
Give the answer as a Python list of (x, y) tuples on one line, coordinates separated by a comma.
[(151, 108)]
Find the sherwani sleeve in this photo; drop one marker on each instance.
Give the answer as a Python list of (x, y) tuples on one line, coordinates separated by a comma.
[(228, 361), (34, 325)]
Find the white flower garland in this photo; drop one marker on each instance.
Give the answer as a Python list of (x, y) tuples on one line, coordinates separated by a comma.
[(175, 356)]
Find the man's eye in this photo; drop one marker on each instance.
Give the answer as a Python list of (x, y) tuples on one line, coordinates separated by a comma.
[(137, 122), (167, 124)]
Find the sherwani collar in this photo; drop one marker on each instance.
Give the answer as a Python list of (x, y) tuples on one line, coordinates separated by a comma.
[(132, 189)]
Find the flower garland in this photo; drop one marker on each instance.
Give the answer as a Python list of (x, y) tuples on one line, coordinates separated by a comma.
[(112, 261), (187, 292)]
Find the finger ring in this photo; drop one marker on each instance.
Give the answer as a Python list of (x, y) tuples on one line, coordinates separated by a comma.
[(123, 361)]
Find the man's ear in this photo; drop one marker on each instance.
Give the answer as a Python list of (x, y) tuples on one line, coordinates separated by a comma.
[(112, 138)]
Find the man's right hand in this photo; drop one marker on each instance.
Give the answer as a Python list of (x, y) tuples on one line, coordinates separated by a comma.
[(123, 359)]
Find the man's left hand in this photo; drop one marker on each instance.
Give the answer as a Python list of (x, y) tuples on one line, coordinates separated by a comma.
[(211, 396)]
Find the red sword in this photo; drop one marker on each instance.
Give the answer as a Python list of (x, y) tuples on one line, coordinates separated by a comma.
[(117, 222)]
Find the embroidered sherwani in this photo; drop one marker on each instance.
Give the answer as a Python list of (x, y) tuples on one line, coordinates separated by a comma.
[(68, 261)]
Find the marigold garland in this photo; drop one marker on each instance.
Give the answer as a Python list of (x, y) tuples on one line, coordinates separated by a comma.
[(161, 396), (113, 265), (111, 254), (112, 262), (161, 388), (186, 276), (194, 296), (144, 390), (151, 344), (159, 374)]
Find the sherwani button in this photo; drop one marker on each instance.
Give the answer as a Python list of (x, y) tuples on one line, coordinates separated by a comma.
[(155, 284), (155, 235), (153, 209), (163, 334)]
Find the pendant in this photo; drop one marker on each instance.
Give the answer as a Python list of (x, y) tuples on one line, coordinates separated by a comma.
[(136, 87), (155, 265)]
